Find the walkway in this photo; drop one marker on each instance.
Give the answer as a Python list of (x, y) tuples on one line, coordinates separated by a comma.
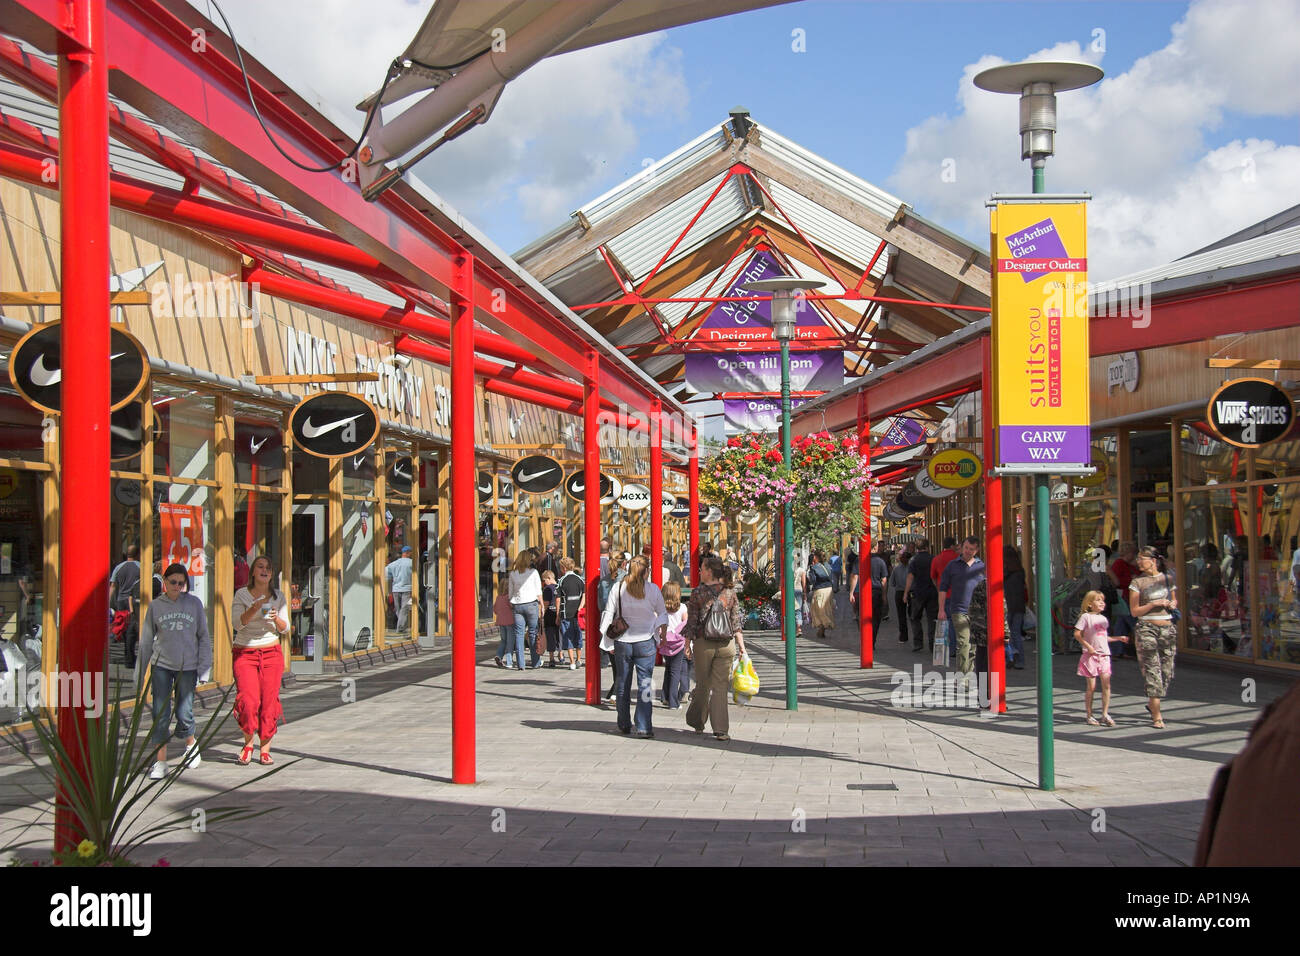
[(847, 779)]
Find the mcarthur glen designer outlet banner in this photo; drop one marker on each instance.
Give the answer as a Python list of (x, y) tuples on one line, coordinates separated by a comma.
[(1040, 334)]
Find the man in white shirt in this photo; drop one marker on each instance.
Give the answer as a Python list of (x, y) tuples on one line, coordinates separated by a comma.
[(398, 576)]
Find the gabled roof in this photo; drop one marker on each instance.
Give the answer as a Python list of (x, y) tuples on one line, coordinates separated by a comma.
[(687, 222)]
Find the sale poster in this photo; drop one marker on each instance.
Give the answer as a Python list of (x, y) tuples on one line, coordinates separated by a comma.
[(181, 527)]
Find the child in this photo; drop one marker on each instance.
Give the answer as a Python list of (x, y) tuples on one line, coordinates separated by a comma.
[(504, 614), (1090, 632), (673, 649), (550, 616)]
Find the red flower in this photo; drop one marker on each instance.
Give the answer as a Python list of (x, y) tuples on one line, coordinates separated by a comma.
[(774, 455), (733, 442)]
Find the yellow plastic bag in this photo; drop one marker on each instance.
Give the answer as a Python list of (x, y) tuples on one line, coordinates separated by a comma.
[(744, 681)]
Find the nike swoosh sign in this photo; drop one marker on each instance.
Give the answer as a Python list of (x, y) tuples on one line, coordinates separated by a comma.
[(485, 489), (578, 488), (312, 431), (127, 434), (44, 376), (357, 462), (256, 446), (398, 473), (535, 474)]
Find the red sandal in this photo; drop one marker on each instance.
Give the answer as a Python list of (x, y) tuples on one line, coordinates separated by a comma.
[(266, 760), (246, 755)]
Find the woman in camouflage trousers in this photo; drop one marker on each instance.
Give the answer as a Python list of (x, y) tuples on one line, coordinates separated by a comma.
[(1151, 597)]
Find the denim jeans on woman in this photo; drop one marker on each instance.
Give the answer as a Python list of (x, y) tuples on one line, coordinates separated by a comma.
[(164, 683), (525, 628), (1016, 643), (641, 656)]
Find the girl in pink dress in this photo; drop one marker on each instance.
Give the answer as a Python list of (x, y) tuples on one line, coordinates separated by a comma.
[(1090, 631)]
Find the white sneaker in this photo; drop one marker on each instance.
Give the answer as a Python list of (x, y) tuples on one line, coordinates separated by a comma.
[(572, 666), (159, 770), (192, 755)]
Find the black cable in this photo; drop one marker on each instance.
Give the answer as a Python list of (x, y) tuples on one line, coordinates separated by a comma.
[(393, 71), (451, 66)]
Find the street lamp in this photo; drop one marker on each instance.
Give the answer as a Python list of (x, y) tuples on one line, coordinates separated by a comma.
[(787, 301), (1038, 82)]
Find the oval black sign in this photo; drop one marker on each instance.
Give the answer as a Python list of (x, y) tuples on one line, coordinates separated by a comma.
[(401, 473), (333, 424), (537, 474), (681, 508), (484, 487), (36, 367), (126, 432), (1250, 412), (576, 485)]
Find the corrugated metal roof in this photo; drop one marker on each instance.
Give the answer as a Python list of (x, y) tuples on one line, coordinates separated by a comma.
[(790, 152), (1266, 252)]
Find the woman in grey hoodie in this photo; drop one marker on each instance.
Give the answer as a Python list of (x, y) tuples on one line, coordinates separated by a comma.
[(175, 642)]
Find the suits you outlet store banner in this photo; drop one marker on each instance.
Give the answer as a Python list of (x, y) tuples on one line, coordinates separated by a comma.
[(1040, 334)]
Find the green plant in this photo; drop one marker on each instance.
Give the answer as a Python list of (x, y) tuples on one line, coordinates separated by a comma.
[(107, 803)]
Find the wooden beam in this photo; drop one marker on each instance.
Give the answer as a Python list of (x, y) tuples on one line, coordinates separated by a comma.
[(548, 261), (1252, 363), (314, 379), (945, 260), (135, 297)]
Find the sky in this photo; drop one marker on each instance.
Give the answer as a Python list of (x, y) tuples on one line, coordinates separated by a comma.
[(1193, 134)]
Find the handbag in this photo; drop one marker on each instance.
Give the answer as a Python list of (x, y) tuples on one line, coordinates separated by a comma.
[(617, 626), (1175, 615), (717, 620)]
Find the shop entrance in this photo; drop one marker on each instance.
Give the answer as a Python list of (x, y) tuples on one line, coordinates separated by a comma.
[(1155, 524), (308, 589)]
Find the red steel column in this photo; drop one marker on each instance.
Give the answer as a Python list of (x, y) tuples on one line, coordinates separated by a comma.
[(84, 440), (464, 528), (656, 493), (693, 494), (993, 543), (591, 518), (866, 637)]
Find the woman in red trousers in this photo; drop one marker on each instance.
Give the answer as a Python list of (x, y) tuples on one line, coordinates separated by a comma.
[(260, 621)]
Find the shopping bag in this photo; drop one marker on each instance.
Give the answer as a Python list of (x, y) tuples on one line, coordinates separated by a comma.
[(941, 645), (744, 681), (1030, 623)]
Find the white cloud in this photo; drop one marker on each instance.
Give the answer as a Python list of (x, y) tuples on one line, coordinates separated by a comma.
[(1136, 141)]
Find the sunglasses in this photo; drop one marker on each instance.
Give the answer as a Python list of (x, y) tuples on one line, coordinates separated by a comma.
[(179, 582)]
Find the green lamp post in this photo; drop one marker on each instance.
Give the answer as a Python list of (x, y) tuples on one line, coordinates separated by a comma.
[(787, 301), (1038, 82)]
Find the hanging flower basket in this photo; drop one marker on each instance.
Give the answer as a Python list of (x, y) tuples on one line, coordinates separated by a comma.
[(824, 484)]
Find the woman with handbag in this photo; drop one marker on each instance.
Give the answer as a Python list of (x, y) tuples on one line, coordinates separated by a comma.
[(634, 622), (714, 633), (526, 599), (614, 572), (1151, 597)]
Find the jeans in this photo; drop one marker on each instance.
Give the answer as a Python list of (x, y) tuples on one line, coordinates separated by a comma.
[(511, 646), (877, 612), (640, 654), (570, 635), (526, 631), (1016, 643), (676, 681), (402, 604), (165, 683), (926, 607)]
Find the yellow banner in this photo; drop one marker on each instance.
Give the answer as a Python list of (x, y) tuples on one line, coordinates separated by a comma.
[(1040, 335)]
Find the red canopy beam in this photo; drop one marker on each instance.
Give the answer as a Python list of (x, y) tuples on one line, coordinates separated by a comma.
[(157, 72)]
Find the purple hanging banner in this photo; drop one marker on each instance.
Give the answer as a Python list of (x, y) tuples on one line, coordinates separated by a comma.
[(818, 371), (754, 414), (902, 432), (751, 322)]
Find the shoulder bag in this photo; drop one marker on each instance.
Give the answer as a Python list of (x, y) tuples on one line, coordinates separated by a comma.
[(617, 626), (717, 620)]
